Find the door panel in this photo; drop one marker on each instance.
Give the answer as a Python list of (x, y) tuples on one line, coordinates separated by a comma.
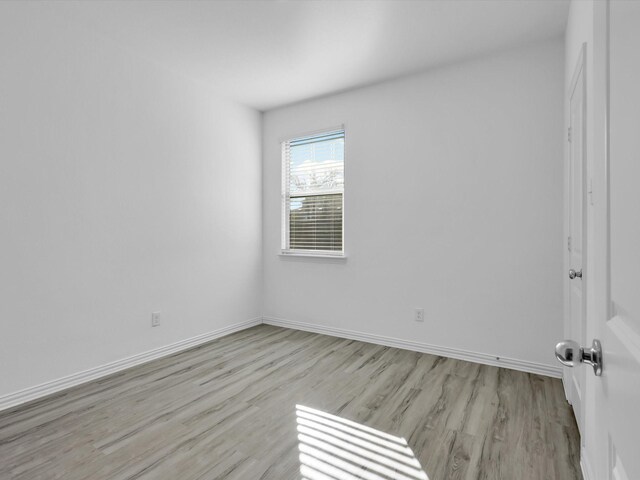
[(619, 398)]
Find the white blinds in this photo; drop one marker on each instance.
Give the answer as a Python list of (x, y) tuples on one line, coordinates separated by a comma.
[(312, 193)]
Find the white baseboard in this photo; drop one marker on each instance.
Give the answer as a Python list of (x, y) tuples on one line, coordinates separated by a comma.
[(54, 386), (585, 466), (484, 358), (47, 388), (567, 394)]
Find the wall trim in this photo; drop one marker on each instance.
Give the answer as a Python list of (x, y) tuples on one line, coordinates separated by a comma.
[(585, 465), (55, 386), (483, 358)]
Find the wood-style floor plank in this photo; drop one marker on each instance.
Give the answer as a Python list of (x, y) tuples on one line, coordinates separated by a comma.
[(229, 410)]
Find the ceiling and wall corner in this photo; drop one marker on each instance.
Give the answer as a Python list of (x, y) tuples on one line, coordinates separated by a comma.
[(267, 54)]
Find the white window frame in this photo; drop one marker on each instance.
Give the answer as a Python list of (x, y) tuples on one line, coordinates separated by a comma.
[(285, 196)]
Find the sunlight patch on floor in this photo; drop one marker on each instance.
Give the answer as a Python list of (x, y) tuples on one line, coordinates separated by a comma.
[(334, 448)]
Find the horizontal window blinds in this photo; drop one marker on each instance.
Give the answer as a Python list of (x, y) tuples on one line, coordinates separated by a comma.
[(312, 193)]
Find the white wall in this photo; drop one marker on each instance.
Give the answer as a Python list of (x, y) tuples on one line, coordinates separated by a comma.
[(124, 189), (453, 203)]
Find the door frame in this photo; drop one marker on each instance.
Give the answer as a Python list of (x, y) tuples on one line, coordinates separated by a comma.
[(569, 329)]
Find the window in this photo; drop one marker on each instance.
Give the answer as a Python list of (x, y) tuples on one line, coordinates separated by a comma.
[(313, 194)]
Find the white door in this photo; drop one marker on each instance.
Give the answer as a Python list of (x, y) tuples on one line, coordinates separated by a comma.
[(617, 394), (574, 377), (609, 410)]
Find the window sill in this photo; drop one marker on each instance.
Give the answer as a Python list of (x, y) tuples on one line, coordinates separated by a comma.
[(329, 256)]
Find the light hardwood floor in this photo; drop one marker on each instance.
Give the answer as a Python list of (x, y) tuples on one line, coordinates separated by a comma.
[(265, 402)]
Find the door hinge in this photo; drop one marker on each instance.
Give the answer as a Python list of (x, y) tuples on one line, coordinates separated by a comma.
[(569, 134), (569, 243)]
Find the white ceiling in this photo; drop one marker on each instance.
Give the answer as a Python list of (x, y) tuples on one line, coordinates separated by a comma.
[(274, 52)]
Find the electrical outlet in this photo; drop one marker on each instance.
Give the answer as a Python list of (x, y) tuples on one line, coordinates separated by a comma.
[(155, 319), (419, 315)]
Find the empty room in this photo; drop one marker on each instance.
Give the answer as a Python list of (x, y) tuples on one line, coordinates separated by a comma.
[(319, 239)]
